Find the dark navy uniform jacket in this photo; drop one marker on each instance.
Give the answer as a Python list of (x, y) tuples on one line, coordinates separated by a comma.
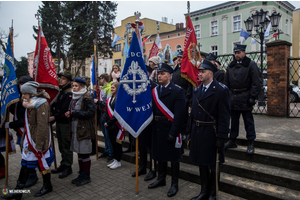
[(173, 97), (216, 101)]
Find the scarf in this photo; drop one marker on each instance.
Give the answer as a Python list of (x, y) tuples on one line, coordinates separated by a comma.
[(80, 93)]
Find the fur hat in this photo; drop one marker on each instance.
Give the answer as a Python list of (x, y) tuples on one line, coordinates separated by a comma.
[(30, 87), (154, 59)]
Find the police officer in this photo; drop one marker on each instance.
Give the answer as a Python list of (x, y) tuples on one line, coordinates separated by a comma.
[(58, 114), (210, 118), (169, 112), (244, 81)]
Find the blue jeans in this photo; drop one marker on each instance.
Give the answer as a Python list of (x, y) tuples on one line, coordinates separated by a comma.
[(108, 145)]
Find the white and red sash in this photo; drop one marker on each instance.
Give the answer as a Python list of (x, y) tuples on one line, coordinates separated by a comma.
[(121, 133), (20, 129), (168, 113), (37, 155)]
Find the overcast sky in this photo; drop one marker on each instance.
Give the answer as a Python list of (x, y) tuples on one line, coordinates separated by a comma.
[(22, 13)]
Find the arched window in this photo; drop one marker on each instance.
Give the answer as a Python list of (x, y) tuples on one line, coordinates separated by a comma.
[(178, 48)]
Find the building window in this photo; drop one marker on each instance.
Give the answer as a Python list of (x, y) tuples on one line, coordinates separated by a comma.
[(214, 28), (178, 34), (118, 48), (178, 48), (197, 31), (150, 40), (237, 23), (118, 61), (236, 8), (168, 36), (214, 50), (287, 26), (214, 14), (105, 70)]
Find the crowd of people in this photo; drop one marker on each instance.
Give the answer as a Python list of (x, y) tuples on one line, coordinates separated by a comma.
[(200, 114)]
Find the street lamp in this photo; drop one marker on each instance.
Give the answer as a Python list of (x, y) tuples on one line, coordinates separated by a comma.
[(259, 23)]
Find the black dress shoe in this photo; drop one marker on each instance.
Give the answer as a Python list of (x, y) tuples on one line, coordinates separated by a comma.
[(58, 170), (141, 172), (103, 155), (157, 183), (47, 187), (173, 190), (151, 175), (67, 171)]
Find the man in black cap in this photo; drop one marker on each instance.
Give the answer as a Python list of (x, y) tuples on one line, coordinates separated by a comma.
[(58, 114), (244, 81), (169, 112), (210, 118)]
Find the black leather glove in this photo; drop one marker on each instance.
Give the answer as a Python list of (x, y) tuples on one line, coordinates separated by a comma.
[(220, 144), (251, 102), (171, 139)]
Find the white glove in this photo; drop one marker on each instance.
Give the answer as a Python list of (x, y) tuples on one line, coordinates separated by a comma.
[(7, 124)]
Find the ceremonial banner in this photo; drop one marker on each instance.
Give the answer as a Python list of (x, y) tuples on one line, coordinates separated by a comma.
[(155, 47), (133, 108), (125, 52), (146, 39), (191, 58), (43, 68), (10, 93), (94, 80)]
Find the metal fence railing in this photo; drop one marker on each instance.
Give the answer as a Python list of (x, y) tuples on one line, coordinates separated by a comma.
[(294, 89)]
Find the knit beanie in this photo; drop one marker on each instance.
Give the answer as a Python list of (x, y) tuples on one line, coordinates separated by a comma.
[(30, 87)]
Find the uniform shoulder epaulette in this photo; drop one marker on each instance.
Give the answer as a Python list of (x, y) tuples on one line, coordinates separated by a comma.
[(178, 86), (223, 85), (196, 88)]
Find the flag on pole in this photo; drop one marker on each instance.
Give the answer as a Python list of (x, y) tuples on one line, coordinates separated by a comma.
[(133, 108), (116, 38), (243, 36), (267, 33), (94, 80), (275, 34), (155, 47), (44, 69), (191, 58), (253, 41), (10, 92), (125, 52), (146, 39)]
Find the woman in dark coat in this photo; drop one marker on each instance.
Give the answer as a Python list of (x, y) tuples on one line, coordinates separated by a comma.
[(81, 114)]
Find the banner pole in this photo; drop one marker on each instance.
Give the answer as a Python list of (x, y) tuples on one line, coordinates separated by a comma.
[(95, 79), (6, 150), (137, 164)]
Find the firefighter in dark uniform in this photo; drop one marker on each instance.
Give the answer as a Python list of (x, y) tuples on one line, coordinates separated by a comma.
[(58, 109), (166, 132), (244, 81), (145, 142), (210, 117)]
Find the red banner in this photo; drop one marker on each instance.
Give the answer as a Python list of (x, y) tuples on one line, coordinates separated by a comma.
[(44, 69), (191, 58), (155, 47)]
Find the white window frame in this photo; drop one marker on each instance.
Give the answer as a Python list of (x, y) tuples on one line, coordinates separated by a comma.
[(117, 45), (287, 26), (120, 64), (211, 28), (215, 52), (236, 22), (197, 31)]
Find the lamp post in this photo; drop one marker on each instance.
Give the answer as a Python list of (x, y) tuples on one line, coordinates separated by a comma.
[(259, 23)]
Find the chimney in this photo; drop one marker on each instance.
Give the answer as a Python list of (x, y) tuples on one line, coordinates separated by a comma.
[(181, 25), (177, 25)]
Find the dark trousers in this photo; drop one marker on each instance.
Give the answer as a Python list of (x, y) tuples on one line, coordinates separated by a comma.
[(117, 147), (248, 122), (64, 145)]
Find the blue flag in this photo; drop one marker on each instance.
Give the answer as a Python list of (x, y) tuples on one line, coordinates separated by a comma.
[(94, 79), (133, 108), (116, 38), (125, 51), (10, 93), (243, 36)]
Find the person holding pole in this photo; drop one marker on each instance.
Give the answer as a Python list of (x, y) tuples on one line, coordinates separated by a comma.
[(168, 113), (210, 117), (58, 110), (81, 114), (36, 149)]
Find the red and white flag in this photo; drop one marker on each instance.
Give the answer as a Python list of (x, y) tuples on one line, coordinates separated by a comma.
[(44, 69), (155, 47), (191, 58), (146, 39)]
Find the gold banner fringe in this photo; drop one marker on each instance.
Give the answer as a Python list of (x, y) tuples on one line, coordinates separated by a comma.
[(188, 79)]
